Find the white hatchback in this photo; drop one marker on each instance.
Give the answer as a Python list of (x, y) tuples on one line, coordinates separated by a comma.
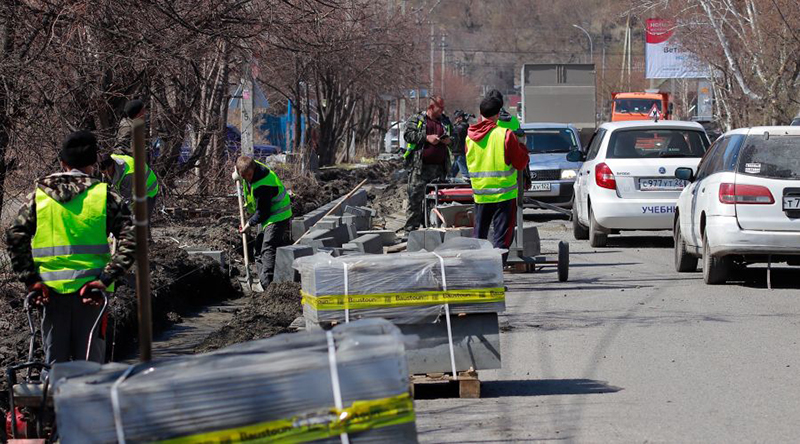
[(743, 204), (628, 181)]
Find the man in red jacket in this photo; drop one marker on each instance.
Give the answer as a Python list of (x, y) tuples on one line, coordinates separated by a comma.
[(494, 158)]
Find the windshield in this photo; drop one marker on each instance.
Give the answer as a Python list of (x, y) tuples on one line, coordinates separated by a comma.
[(555, 140), (651, 143), (776, 158), (635, 106)]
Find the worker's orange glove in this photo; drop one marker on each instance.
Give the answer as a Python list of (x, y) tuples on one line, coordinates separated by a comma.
[(42, 296), (92, 293)]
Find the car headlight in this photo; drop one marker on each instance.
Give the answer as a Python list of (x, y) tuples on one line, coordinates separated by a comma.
[(569, 174)]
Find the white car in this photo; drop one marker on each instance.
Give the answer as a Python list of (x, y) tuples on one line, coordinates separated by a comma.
[(743, 203), (627, 181)]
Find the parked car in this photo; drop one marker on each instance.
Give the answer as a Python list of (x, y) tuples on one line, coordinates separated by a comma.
[(627, 180), (743, 203), (552, 175), (796, 121), (392, 140)]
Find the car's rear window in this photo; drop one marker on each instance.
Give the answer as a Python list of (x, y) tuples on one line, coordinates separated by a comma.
[(655, 143), (776, 157), (555, 140)]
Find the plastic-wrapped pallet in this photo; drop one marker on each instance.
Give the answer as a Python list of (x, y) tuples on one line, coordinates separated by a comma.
[(309, 386), (406, 288)]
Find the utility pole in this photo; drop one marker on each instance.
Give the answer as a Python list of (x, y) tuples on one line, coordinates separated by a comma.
[(247, 114), (430, 91), (433, 44), (443, 58)]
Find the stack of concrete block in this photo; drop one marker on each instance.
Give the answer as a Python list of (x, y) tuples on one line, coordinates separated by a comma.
[(361, 217), (299, 387), (301, 224), (388, 237), (284, 258), (410, 290), (332, 237), (366, 244), (431, 238)]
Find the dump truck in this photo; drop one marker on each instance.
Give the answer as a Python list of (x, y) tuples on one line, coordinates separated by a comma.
[(640, 106), (560, 93)]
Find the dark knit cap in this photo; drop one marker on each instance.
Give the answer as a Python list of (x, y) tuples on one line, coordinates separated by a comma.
[(133, 108), (491, 104), (105, 161), (79, 149)]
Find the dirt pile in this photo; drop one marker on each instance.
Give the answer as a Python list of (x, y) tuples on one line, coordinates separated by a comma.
[(331, 183), (266, 314), (13, 325)]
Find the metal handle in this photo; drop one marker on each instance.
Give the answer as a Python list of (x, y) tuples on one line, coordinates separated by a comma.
[(96, 322)]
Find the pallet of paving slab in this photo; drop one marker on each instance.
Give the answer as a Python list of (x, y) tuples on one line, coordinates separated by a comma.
[(469, 385)]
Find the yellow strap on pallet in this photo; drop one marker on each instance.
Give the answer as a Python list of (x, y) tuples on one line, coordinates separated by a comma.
[(358, 417), (404, 299)]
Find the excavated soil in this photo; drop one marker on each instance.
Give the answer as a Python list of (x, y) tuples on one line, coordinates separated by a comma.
[(266, 314)]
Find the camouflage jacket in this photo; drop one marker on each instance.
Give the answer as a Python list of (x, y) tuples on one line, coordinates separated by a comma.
[(63, 187), (415, 132)]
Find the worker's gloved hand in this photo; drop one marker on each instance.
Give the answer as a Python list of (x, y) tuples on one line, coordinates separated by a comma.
[(235, 175), (244, 228), (92, 293), (42, 296)]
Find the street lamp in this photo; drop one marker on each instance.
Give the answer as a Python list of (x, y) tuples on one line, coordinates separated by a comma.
[(591, 46)]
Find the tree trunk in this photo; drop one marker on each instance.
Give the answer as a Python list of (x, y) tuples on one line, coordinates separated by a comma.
[(7, 47)]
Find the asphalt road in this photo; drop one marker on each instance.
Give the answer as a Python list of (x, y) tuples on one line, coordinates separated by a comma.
[(630, 351)]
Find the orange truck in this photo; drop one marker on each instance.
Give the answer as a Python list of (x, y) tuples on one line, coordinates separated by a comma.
[(640, 106)]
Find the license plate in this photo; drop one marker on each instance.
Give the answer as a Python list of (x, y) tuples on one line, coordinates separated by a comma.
[(656, 184), (540, 186), (791, 203)]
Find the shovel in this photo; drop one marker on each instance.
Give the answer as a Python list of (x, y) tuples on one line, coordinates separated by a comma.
[(247, 284)]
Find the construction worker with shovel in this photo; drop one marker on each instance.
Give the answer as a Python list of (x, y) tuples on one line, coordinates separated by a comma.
[(268, 203), (58, 244)]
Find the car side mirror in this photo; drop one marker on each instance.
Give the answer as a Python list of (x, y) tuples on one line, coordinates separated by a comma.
[(576, 156), (685, 174)]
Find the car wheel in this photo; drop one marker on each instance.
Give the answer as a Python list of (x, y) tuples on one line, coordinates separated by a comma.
[(597, 238), (715, 269), (684, 262), (579, 231)]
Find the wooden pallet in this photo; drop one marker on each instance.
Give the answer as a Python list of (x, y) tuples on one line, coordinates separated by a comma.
[(469, 386)]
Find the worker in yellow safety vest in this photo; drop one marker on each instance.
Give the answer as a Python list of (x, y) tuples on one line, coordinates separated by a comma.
[(494, 158), (270, 206), (58, 244), (119, 170)]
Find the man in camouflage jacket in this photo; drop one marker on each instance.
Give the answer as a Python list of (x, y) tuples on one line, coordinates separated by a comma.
[(428, 137), (68, 318)]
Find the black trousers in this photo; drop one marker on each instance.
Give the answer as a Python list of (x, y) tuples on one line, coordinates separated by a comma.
[(66, 324), (266, 246), (501, 217)]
